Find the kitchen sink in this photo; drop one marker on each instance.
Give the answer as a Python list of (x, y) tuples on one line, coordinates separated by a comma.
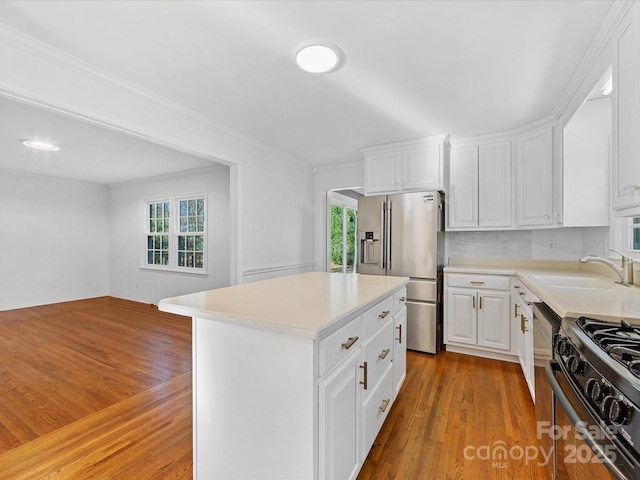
[(569, 281)]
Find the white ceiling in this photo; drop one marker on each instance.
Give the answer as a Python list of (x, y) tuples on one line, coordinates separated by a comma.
[(87, 152), (411, 68)]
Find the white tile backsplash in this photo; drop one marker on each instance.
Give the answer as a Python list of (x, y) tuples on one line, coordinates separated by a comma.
[(544, 244), (494, 244)]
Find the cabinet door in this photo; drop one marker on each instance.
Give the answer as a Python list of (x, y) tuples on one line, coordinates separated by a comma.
[(494, 327), (400, 349), (626, 112), (460, 319), (494, 185), (528, 356), (340, 423), (422, 168), (534, 186), (381, 172), (463, 187)]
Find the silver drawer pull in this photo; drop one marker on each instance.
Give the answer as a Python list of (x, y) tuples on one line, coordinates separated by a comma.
[(399, 339), (384, 354), (385, 404), (384, 314), (403, 299), (521, 293), (349, 343), (476, 283)]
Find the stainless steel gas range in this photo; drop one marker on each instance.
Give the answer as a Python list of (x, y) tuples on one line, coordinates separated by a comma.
[(595, 377)]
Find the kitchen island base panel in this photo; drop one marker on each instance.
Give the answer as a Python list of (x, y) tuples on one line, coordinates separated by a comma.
[(253, 403)]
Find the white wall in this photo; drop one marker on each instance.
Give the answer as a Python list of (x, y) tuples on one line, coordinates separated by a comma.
[(278, 219), (331, 178), (126, 236), (272, 196), (586, 165), (53, 240)]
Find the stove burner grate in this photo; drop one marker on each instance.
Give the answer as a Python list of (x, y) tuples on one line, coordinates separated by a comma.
[(621, 342)]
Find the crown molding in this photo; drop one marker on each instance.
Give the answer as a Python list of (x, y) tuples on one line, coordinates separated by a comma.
[(611, 22), (50, 54)]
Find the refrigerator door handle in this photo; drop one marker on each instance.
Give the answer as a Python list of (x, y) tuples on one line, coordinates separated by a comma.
[(384, 240), (388, 237)]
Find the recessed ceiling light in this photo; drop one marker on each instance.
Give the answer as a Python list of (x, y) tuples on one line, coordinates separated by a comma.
[(41, 145), (317, 56)]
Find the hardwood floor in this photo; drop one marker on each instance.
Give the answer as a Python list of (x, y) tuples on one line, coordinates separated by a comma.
[(101, 388), (98, 388), (451, 413)]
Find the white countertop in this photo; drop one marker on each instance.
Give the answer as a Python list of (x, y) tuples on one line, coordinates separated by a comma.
[(612, 303), (301, 305)]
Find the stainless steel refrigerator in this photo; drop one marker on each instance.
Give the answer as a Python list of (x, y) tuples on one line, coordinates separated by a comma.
[(403, 235)]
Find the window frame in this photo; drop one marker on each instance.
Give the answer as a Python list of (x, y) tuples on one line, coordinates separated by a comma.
[(174, 231), (632, 228)]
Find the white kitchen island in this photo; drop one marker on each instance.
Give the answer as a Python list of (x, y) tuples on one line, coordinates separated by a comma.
[(294, 376)]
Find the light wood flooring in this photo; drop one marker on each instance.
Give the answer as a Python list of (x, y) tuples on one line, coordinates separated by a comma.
[(101, 389)]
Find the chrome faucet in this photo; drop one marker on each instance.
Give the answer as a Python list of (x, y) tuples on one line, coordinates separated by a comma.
[(625, 273)]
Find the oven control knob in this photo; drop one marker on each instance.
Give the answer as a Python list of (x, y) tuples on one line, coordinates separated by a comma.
[(562, 347), (614, 410), (593, 389), (576, 365)]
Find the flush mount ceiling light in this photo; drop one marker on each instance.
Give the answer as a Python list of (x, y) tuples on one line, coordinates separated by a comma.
[(41, 145), (317, 56)]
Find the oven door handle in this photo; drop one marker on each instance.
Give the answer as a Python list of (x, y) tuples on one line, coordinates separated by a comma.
[(550, 369)]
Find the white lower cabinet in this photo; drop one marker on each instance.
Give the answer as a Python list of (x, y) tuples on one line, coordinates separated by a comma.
[(340, 422), (375, 409), (400, 350), (522, 300), (356, 393), (477, 312)]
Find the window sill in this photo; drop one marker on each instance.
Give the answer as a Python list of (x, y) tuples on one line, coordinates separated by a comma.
[(193, 273)]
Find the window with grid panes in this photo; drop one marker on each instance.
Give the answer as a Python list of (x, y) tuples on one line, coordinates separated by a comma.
[(176, 233), (191, 236), (158, 230)]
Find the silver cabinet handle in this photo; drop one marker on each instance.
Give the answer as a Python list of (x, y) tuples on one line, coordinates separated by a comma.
[(476, 283), (385, 404), (403, 299), (384, 314), (349, 343), (384, 354), (399, 339)]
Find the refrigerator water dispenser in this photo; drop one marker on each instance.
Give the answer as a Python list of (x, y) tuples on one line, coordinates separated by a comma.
[(370, 248)]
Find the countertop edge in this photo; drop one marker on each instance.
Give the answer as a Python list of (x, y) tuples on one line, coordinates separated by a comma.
[(171, 305)]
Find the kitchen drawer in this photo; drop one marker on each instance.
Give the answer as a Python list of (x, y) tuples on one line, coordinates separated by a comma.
[(376, 408), (486, 282), (525, 296), (399, 299), (378, 353), (375, 316), (339, 344)]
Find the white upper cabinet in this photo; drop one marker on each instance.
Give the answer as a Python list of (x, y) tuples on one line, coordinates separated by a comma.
[(414, 165), (626, 116), (534, 177), (480, 186)]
